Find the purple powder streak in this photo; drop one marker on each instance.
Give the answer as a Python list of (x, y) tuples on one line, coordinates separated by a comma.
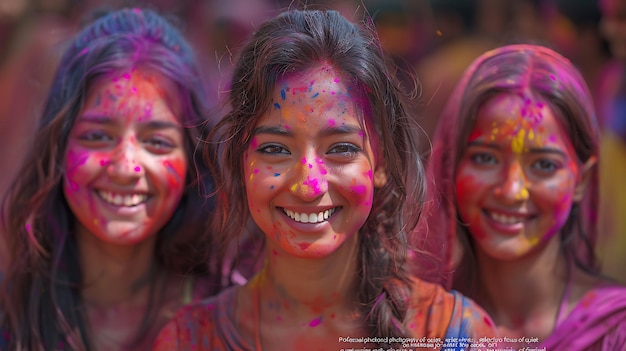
[(359, 189), (314, 323), (171, 169)]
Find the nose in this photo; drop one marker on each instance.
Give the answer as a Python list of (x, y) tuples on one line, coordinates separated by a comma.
[(125, 165), (513, 187), (309, 181)]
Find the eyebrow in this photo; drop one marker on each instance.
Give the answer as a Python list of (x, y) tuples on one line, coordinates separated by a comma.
[(334, 130), (534, 150), (106, 120)]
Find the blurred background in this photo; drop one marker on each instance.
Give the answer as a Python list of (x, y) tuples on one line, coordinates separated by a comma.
[(435, 38)]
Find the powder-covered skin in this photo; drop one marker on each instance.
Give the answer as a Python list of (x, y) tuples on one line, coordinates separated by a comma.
[(516, 180), (125, 160), (309, 166), (312, 155)]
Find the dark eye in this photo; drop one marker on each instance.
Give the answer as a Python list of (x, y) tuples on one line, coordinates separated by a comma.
[(158, 145), (483, 158), (547, 166), (273, 149), (346, 149), (96, 136)]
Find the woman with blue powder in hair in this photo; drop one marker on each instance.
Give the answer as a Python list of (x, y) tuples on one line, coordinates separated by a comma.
[(106, 220)]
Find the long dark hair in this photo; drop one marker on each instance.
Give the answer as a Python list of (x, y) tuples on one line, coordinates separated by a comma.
[(41, 299), (515, 68), (295, 41)]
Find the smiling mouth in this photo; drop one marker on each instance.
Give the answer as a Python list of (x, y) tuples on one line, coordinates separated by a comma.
[(507, 219), (128, 200), (317, 217)]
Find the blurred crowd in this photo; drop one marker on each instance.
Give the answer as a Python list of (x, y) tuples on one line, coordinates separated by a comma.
[(435, 38)]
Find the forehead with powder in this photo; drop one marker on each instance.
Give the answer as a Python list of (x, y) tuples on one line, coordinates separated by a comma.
[(322, 88), (137, 83), (519, 121)]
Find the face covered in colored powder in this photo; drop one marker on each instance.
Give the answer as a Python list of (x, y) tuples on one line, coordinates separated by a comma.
[(125, 162), (517, 178), (309, 166)]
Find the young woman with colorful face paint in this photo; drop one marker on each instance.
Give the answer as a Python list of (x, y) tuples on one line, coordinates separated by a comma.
[(106, 220), (514, 172), (319, 151)]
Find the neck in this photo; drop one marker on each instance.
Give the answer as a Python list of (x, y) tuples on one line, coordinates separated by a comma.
[(115, 275), (296, 303), (305, 291), (524, 296), (311, 285)]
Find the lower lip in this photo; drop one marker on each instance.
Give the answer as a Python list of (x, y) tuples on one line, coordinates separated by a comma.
[(123, 210), (308, 227), (504, 228)]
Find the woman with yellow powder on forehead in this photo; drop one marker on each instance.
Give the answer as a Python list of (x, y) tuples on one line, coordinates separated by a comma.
[(514, 172)]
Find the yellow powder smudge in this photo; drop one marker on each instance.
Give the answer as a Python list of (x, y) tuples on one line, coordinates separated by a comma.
[(517, 144), (252, 167), (522, 194)]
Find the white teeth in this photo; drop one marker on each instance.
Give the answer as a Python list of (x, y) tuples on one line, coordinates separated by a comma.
[(127, 200), (311, 217), (506, 219)]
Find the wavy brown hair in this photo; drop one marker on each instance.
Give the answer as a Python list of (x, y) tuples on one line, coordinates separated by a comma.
[(295, 41), (41, 299)]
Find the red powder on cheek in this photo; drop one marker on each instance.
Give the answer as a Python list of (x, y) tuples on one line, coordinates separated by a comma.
[(176, 169)]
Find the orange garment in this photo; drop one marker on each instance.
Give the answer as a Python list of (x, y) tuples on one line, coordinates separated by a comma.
[(434, 313)]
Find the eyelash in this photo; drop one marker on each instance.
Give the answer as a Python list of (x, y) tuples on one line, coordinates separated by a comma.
[(264, 149), (99, 139), (94, 137), (349, 150), (551, 164), (476, 158), (159, 143), (542, 165)]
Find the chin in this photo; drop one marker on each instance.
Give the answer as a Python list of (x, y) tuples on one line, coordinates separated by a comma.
[(311, 250), (124, 237)]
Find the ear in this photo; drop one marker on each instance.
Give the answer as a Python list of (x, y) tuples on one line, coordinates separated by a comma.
[(380, 176), (585, 177)]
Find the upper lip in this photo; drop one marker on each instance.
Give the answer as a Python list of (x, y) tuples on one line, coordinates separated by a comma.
[(122, 191), (522, 214), (310, 214), (123, 198), (308, 209)]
